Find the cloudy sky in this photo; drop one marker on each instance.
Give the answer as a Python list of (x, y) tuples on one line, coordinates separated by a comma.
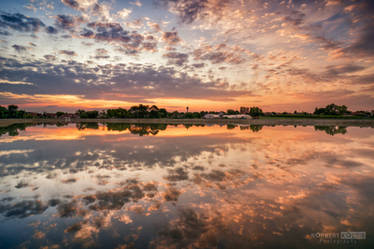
[(207, 54)]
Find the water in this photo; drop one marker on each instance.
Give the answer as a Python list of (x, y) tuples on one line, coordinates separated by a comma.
[(159, 186)]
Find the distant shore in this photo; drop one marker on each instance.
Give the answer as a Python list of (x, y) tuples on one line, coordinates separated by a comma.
[(260, 121)]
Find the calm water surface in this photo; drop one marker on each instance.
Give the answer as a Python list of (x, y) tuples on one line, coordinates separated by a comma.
[(139, 186)]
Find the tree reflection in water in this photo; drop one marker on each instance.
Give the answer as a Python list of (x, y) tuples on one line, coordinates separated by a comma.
[(332, 130)]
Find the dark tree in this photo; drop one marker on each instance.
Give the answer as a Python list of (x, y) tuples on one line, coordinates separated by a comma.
[(87, 114), (3, 112), (92, 114), (231, 112), (255, 111), (332, 109), (12, 111), (59, 114)]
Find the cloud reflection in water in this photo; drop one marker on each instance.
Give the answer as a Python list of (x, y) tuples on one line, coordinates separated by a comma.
[(159, 186)]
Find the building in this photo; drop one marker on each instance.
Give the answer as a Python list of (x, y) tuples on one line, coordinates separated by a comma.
[(210, 116), (67, 117), (238, 116), (244, 110), (33, 114)]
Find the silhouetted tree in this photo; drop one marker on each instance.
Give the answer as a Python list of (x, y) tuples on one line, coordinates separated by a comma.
[(87, 114), (59, 114), (231, 112), (332, 109), (3, 112), (163, 113), (255, 111), (12, 111)]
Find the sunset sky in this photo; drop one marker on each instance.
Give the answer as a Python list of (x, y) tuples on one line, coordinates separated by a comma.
[(206, 54)]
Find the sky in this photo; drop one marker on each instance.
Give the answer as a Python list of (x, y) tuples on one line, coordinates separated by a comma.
[(206, 54)]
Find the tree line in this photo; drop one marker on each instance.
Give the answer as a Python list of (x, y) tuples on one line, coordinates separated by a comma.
[(12, 112), (140, 111), (146, 111)]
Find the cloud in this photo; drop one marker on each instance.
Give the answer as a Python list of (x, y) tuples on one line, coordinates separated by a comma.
[(68, 21), (71, 3), (154, 25), (198, 65), (136, 3), (92, 8), (23, 208), (124, 13), (49, 57), (108, 82), (311, 99), (364, 46), (19, 48), (110, 32), (51, 30), (188, 10), (87, 33), (176, 58), (15, 82), (81, 5), (295, 18), (4, 33), (150, 46), (20, 22), (364, 79), (68, 52), (171, 38), (101, 53), (219, 54), (337, 70), (219, 57), (131, 42)]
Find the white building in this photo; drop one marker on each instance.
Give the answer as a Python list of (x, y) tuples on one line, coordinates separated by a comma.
[(210, 116), (238, 116)]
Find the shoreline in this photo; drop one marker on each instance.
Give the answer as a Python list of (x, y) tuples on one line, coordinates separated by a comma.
[(260, 121)]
